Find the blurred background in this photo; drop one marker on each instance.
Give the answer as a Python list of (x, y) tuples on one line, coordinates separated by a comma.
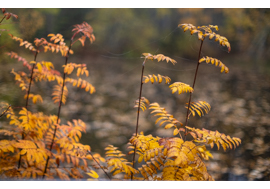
[(240, 100)]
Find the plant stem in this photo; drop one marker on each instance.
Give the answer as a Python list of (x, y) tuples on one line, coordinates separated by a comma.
[(138, 115), (190, 94), (99, 165), (5, 111), (140, 96), (27, 98), (59, 110), (2, 19)]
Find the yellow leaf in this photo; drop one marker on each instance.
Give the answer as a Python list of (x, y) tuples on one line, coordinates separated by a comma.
[(23, 152), (34, 99), (93, 174), (79, 72), (39, 66), (169, 125), (140, 159), (87, 73), (152, 79), (175, 132), (116, 172)]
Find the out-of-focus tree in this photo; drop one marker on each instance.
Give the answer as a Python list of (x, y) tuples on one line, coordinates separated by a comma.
[(249, 27), (121, 30), (30, 21), (249, 30), (132, 31)]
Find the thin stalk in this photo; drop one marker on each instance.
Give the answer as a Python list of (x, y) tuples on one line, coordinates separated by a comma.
[(5, 111), (190, 94), (2, 19), (27, 98), (99, 165), (138, 115), (59, 110), (140, 95)]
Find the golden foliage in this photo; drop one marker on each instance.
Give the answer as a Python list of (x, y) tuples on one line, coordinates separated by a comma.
[(57, 45), (204, 153), (43, 65), (182, 152), (39, 143), (58, 38), (58, 94), (199, 107), (149, 150), (6, 146), (143, 104), (31, 172), (184, 162), (46, 147), (93, 174), (174, 158), (215, 62), (164, 116), (214, 137), (13, 118), (117, 162), (45, 72), (81, 69), (194, 172), (158, 57), (180, 87), (33, 152), (27, 44), (204, 31), (147, 147), (35, 98), (82, 83), (157, 78), (22, 79)]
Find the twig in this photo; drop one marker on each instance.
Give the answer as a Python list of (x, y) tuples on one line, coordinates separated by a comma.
[(27, 98), (59, 110), (190, 94), (99, 164), (2, 19), (138, 115), (5, 111)]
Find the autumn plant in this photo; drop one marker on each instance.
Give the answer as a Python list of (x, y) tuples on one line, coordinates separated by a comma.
[(39, 146), (173, 158)]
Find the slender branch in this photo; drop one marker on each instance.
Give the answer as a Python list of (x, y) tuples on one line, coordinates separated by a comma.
[(140, 96), (2, 19), (190, 94), (27, 97), (31, 79), (99, 165), (59, 110), (5, 111), (138, 115)]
